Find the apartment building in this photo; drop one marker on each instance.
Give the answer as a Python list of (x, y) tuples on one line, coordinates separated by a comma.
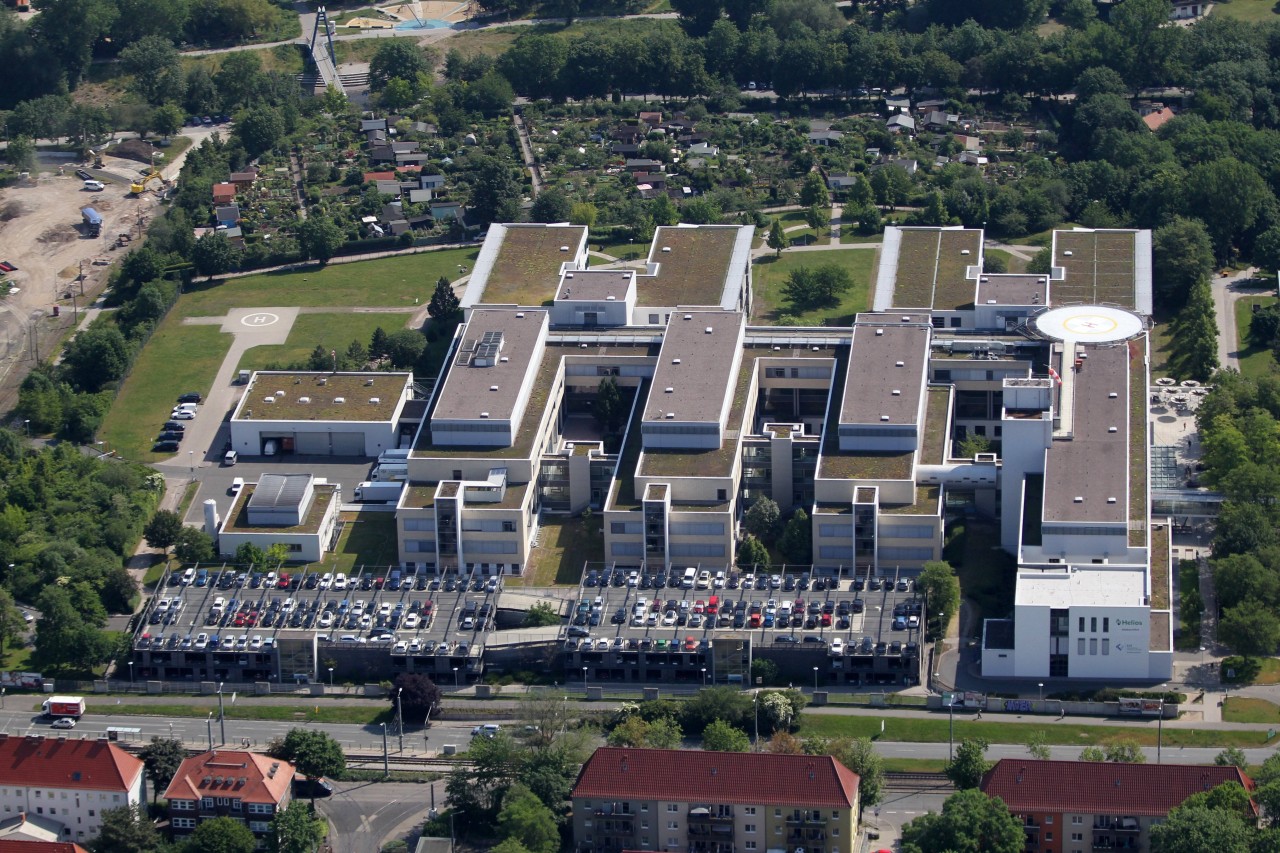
[(713, 802), (1084, 806), (238, 784), (70, 782)]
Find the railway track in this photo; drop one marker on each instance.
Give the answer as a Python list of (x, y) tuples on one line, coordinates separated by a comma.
[(916, 782)]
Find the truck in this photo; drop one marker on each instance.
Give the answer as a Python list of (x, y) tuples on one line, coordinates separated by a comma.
[(92, 221), (395, 456), (64, 706), (389, 472), (370, 492)]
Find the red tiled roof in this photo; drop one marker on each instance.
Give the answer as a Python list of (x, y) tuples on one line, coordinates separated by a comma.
[(224, 191), (683, 775), (1090, 787), (379, 176), (1153, 120), (261, 785), (89, 765), (24, 846)]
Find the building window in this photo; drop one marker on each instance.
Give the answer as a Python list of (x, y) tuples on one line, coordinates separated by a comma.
[(1048, 819), (671, 807), (751, 845), (653, 319), (673, 824), (1093, 646), (644, 824), (835, 815), (777, 812), (508, 527), (1077, 836), (1048, 836), (749, 811), (751, 827), (644, 808), (1106, 646), (1077, 820), (1106, 624), (1080, 646), (1093, 625)]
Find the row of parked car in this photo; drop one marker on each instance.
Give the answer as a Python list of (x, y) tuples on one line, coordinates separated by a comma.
[(680, 578), (174, 430)]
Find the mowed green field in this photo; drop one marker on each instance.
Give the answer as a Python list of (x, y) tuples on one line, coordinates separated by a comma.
[(181, 358), (177, 359), (769, 274), (331, 331), (1259, 11)]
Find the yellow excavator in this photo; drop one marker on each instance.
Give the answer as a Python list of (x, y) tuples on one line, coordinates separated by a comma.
[(140, 186)]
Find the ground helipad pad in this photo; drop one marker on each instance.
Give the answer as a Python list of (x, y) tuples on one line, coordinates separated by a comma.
[(1088, 324)]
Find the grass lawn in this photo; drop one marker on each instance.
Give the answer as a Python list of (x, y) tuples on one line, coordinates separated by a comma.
[(914, 765), (771, 273), (985, 571), (153, 574), (849, 234), (1161, 349), (487, 42), (385, 282), (1255, 359), (17, 658), (624, 251), (934, 730), (1242, 709), (1012, 262), (1253, 671), (367, 539), (1253, 11), (330, 331), (563, 546), (177, 359)]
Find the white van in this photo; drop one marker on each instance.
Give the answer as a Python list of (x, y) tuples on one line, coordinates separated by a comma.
[(95, 186), (230, 457), (269, 447), (690, 578), (487, 730)]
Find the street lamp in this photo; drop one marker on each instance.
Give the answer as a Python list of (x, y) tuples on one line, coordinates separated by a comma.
[(951, 718), (400, 718), (584, 679), (27, 423), (130, 673), (455, 677), (330, 678), (704, 676), (815, 679), (208, 723), (1041, 686)]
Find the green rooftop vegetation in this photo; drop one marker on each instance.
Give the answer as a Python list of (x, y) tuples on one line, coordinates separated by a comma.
[(1137, 441), (917, 267), (693, 272), (1099, 268), (934, 436), (527, 268), (1161, 568), (951, 289), (927, 499)]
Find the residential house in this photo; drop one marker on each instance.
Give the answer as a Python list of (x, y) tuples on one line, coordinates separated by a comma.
[(826, 138), (937, 120), (70, 782), (971, 158), (928, 106), (897, 105), (901, 123), (1186, 10), (447, 210), (630, 132), (23, 845), (624, 149), (375, 138), (425, 128), (368, 124), (651, 118), (238, 784), (1156, 118), (370, 177), (380, 154), (643, 164), (227, 216), (674, 799), (907, 164), (704, 149), (224, 193), (31, 828), (1081, 806), (970, 143)]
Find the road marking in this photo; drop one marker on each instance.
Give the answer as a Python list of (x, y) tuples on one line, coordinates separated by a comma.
[(264, 318)]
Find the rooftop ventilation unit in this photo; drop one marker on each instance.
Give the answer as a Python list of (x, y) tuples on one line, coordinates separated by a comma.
[(670, 390), (564, 248), (484, 414), (368, 383), (707, 330), (899, 364), (304, 400), (1111, 500), (375, 400), (675, 361), (984, 278), (611, 298), (906, 319), (666, 248), (519, 316), (493, 387), (268, 399), (879, 332), (964, 251), (582, 346), (339, 399), (688, 316), (1112, 429), (896, 392), (568, 275), (1066, 253), (504, 359), (1112, 395), (670, 415), (991, 302), (1078, 499), (884, 418), (816, 349), (280, 394)]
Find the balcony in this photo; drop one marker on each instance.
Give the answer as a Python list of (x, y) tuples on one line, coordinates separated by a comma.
[(806, 819), (706, 814), (614, 810)]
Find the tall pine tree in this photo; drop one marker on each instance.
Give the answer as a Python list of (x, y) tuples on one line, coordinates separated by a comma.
[(1197, 332), (444, 302)]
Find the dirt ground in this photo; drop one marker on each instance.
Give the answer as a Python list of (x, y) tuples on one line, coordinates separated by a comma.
[(41, 234)]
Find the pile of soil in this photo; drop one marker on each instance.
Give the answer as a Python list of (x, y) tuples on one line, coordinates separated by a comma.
[(134, 149)]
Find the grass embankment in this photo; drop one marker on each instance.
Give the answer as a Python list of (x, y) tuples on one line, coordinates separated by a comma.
[(1243, 709), (935, 730), (770, 275), (313, 713), (1256, 358), (564, 546)]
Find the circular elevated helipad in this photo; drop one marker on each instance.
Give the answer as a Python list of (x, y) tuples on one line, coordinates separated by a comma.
[(1094, 324)]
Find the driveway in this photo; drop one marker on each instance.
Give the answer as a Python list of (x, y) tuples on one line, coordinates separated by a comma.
[(1226, 293)]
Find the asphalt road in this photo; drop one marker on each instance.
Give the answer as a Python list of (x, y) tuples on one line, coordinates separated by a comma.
[(365, 815)]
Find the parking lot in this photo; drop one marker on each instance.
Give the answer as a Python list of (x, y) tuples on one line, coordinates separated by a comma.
[(781, 614), (198, 625)]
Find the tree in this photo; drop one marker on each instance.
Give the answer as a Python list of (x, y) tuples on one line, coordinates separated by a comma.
[(607, 408), (796, 543), (405, 346), (1182, 256), (261, 129), (1231, 757), (860, 756), (419, 696), (751, 553), (1125, 751), (969, 764), (378, 344), (320, 238), (970, 820), (509, 845), (663, 733), (213, 254), (153, 62), (762, 520), (583, 213), (162, 758), (12, 625), (941, 590), (541, 615), (994, 264), (526, 819), (818, 218), (1092, 753), (1198, 828), (1266, 249), (193, 546), (96, 356), (551, 205), (778, 239), (296, 830), (1248, 631), (495, 192), (1038, 746), (68, 636), (444, 304), (813, 192), (313, 752), (398, 94), (162, 530), (719, 736), (249, 554), (816, 287), (973, 444), (221, 835), (21, 154), (397, 58), (1228, 195), (1042, 263), (127, 829), (1197, 332)]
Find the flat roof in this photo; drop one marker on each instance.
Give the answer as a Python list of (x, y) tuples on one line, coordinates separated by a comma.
[(322, 392), (596, 285), (238, 518), (498, 333), (1013, 290), (1101, 267), (833, 463), (523, 267), (930, 266), (1087, 475), (694, 376), (1083, 586), (696, 264), (273, 491), (886, 374)]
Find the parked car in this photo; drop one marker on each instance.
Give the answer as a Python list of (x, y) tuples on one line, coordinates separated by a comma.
[(190, 397), (166, 446)]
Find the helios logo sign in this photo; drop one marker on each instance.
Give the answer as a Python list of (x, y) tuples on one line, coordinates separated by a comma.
[(1129, 624)]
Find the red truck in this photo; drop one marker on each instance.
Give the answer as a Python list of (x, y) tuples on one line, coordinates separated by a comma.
[(64, 706)]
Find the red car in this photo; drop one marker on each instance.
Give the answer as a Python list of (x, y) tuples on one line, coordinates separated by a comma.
[(283, 583), (826, 620)]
